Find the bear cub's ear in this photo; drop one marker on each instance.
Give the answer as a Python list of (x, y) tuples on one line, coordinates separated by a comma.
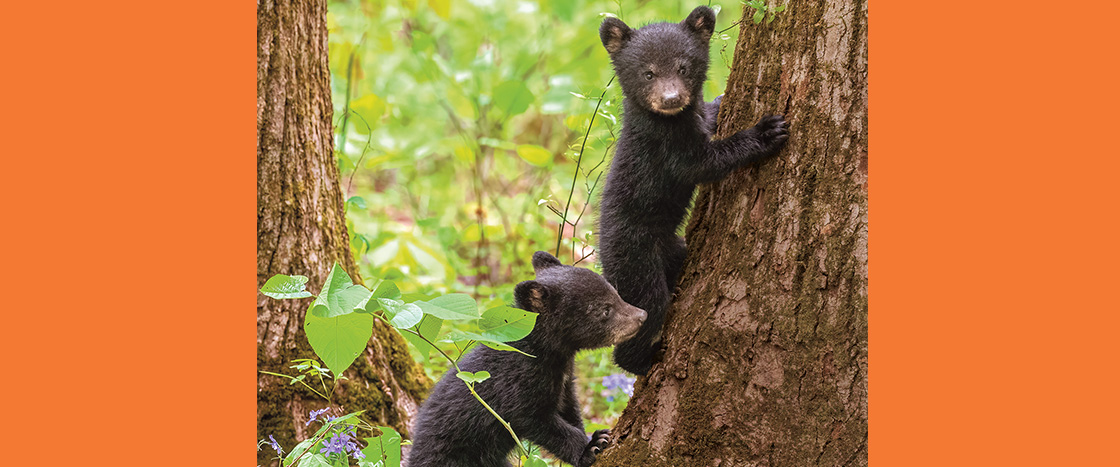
[(702, 22), (544, 260), (614, 34), (533, 295)]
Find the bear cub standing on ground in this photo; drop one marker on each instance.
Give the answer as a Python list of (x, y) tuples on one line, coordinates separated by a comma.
[(664, 150), (577, 310)]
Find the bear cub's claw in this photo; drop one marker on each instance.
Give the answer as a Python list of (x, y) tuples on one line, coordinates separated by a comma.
[(772, 131), (599, 441)]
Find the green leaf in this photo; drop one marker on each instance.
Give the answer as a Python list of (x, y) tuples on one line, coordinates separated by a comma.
[(357, 201), (385, 447), (339, 295), (463, 336), (401, 314), (757, 18), (346, 419), (386, 289), (429, 327), (340, 339), (476, 377), (506, 324), (504, 347), (779, 9), (535, 461), (441, 7), (534, 154), (451, 306), (313, 460), (512, 97), (496, 143), (302, 447), (370, 108), (282, 287)]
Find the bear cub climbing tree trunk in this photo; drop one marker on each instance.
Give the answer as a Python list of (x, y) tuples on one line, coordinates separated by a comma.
[(766, 339)]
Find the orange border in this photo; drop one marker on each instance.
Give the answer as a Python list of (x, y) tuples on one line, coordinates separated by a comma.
[(128, 139), (993, 234), (129, 153)]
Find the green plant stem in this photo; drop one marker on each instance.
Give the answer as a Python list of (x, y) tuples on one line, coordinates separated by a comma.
[(470, 387), (316, 438), (300, 382), (324, 385), (575, 176)]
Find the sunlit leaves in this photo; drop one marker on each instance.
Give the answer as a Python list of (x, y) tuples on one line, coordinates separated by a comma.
[(451, 306), (497, 327), (512, 97), (281, 287), (441, 7), (534, 154), (369, 109), (401, 314), (339, 295)]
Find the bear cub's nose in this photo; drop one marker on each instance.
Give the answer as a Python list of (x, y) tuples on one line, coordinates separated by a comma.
[(671, 100)]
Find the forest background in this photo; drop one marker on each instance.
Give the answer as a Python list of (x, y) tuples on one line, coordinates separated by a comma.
[(466, 130)]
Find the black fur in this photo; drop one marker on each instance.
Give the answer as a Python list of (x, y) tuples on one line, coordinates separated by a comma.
[(578, 310), (664, 150)]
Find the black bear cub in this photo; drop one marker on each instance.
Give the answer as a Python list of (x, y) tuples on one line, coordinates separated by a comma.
[(664, 150), (577, 309)]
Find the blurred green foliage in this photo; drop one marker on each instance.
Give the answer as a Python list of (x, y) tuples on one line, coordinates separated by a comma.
[(458, 127)]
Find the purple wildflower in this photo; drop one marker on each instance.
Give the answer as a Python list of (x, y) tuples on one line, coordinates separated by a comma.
[(340, 443), (315, 414), (275, 445), (618, 382)]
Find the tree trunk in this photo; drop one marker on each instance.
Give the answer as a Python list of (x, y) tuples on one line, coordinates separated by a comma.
[(301, 229), (766, 341)]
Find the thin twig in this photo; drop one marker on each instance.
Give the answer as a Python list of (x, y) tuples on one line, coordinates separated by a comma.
[(470, 387), (575, 176)]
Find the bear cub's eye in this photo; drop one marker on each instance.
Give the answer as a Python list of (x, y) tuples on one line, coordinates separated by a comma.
[(649, 75), (681, 70)]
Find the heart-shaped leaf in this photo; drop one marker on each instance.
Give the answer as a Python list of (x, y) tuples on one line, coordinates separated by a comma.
[(338, 340)]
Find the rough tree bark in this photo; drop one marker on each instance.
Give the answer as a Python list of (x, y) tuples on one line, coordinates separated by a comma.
[(301, 229), (766, 342)]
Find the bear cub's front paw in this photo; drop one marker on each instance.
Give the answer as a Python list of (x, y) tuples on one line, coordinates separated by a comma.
[(600, 439), (772, 132)]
